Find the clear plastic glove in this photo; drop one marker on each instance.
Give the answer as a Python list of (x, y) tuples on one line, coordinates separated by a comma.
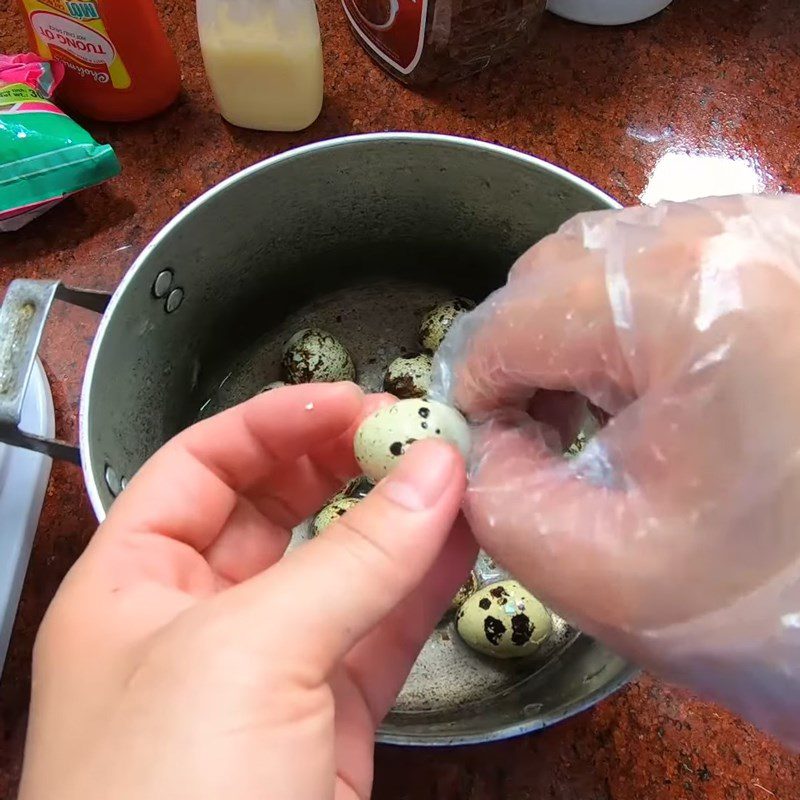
[(675, 535)]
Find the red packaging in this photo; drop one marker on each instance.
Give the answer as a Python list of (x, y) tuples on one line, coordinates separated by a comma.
[(421, 41)]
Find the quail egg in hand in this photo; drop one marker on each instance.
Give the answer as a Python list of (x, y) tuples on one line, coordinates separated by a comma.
[(337, 507), (316, 356), (409, 376), (439, 320), (503, 620), (384, 436)]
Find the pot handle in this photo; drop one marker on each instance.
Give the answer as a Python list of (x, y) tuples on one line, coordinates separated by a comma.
[(22, 319)]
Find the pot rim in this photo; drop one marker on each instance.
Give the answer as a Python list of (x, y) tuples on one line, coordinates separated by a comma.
[(512, 731), (85, 410)]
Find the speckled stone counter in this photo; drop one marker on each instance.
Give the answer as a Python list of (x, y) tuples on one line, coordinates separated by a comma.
[(702, 99)]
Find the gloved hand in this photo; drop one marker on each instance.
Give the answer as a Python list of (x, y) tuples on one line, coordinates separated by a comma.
[(675, 535)]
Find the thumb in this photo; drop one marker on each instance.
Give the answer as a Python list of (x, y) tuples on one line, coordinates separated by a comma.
[(344, 582), (559, 525)]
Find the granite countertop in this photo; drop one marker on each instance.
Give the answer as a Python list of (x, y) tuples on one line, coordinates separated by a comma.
[(702, 99)]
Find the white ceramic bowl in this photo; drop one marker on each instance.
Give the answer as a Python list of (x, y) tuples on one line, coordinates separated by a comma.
[(606, 12)]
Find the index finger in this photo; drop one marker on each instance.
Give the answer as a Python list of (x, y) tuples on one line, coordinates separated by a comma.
[(190, 487), (598, 307), (550, 327)]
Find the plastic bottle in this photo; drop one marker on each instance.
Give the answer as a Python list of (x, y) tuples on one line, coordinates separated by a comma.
[(421, 41), (263, 59), (120, 66)]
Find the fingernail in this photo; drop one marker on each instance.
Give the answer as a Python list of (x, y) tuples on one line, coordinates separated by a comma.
[(422, 475)]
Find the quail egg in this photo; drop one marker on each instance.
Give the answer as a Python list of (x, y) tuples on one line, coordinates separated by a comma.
[(503, 620), (274, 385), (409, 376), (315, 356), (439, 319), (337, 507), (384, 436), (470, 586)]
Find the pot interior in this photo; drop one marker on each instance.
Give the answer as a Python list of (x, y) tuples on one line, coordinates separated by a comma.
[(358, 236)]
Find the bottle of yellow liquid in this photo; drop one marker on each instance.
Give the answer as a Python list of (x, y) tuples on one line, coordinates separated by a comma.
[(263, 59)]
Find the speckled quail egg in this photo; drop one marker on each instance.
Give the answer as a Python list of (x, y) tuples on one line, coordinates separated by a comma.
[(384, 436), (274, 385), (409, 376), (439, 319), (503, 620), (316, 356), (469, 587), (327, 515)]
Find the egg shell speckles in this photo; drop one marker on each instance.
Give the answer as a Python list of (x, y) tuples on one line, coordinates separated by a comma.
[(384, 436), (503, 620), (331, 512), (316, 356), (409, 376), (438, 321)]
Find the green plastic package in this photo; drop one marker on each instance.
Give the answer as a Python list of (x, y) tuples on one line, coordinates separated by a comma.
[(44, 155)]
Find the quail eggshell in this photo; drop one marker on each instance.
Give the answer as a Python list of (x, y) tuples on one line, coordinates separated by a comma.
[(358, 487), (438, 321), (469, 587), (577, 447), (503, 620), (338, 507), (384, 436), (274, 385), (316, 356), (409, 376)]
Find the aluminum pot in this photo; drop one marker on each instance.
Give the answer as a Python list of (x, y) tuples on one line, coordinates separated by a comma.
[(269, 240)]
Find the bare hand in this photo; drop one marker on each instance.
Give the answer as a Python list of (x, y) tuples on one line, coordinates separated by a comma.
[(185, 658)]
